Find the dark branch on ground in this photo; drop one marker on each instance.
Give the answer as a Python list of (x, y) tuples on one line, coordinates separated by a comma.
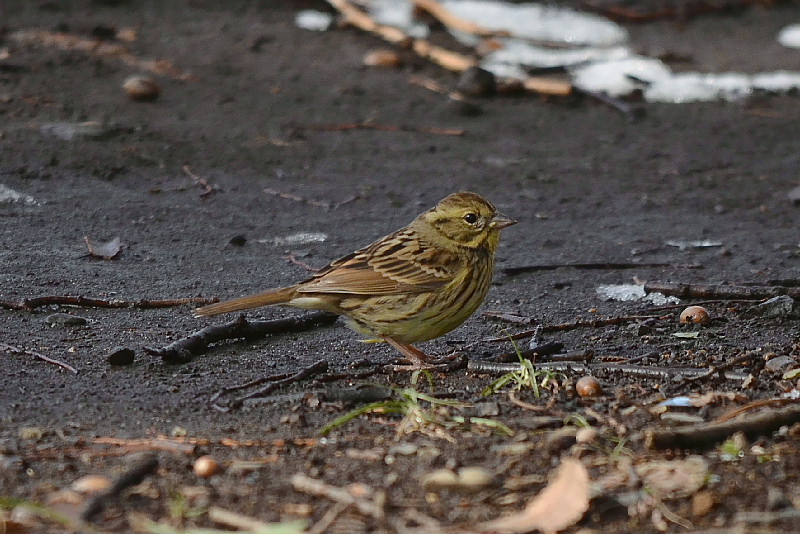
[(184, 349), (29, 304)]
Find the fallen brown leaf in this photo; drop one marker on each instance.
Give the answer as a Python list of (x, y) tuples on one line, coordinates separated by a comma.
[(561, 504)]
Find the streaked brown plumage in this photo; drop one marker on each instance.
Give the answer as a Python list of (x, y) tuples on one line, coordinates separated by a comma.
[(413, 285)]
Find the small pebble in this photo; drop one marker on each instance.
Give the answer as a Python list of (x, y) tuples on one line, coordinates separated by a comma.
[(238, 240), (120, 356), (702, 503), (476, 81), (65, 319), (779, 363), (206, 466), (30, 433), (781, 306), (141, 88), (439, 479)]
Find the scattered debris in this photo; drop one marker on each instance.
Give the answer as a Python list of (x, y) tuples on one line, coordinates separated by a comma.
[(98, 48), (30, 304), (106, 251), (204, 184)]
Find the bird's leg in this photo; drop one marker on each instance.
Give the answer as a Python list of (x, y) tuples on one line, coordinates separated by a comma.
[(419, 360)]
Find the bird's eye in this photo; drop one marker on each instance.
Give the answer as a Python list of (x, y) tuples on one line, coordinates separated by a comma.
[(470, 218)]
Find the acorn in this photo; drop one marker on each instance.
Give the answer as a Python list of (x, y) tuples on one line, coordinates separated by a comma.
[(588, 386), (141, 88), (695, 315)]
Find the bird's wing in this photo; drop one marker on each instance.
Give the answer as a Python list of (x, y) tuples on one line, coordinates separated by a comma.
[(399, 263)]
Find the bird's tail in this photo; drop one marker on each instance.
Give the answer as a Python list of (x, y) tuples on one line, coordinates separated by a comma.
[(268, 298)]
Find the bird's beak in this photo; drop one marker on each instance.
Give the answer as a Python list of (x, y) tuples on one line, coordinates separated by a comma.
[(501, 221)]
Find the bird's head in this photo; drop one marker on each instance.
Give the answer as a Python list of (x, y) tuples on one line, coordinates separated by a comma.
[(467, 220)]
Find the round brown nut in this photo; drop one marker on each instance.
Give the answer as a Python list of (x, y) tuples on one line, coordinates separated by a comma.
[(695, 315), (588, 386), (142, 88), (206, 466)]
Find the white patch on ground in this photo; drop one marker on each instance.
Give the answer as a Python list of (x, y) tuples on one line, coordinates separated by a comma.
[(301, 238), (9, 196), (310, 19), (790, 36)]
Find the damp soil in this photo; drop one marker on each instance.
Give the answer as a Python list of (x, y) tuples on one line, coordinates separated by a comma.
[(586, 183)]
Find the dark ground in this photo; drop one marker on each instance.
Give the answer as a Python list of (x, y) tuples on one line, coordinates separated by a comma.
[(586, 185)]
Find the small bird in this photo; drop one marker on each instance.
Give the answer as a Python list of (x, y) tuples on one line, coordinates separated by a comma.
[(413, 285)]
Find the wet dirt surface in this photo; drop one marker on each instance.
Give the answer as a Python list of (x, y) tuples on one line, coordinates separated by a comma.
[(584, 182)]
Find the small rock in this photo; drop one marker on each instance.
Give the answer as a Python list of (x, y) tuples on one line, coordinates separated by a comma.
[(141, 88), (476, 81), (65, 319), (794, 196), (702, 503), (238, 240), (31, 433), (779, 363), (91, 484), (781, 306), (120, 356)]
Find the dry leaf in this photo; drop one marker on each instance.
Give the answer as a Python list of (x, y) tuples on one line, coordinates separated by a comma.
[(106, 251), (676, 478), (560, 505)]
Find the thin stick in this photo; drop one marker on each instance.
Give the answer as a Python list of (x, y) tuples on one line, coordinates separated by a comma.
[(511, 271), (185, 349), (133, 476), (29, 304), (319, 488), (236, 520), (564, 327), (449, 19), (381, 127), (16, 350), (208, 189), (705, 435), (720, 291), (98, 48)]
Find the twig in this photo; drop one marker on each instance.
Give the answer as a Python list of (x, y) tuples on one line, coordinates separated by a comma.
[(29, 304), (682, 11), (564, 327), (441, 56), (291, 258), (761, 403), (511, 271), (718, 369), (237, 521), (160, 443), (184, 349), (145, 466), (719, 291), (16, 350), (297, 198), (708, 434), (499, 368), (449, 19), (99, 48), (208, 189), (370, 507), (275, 382), (382, 127)]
